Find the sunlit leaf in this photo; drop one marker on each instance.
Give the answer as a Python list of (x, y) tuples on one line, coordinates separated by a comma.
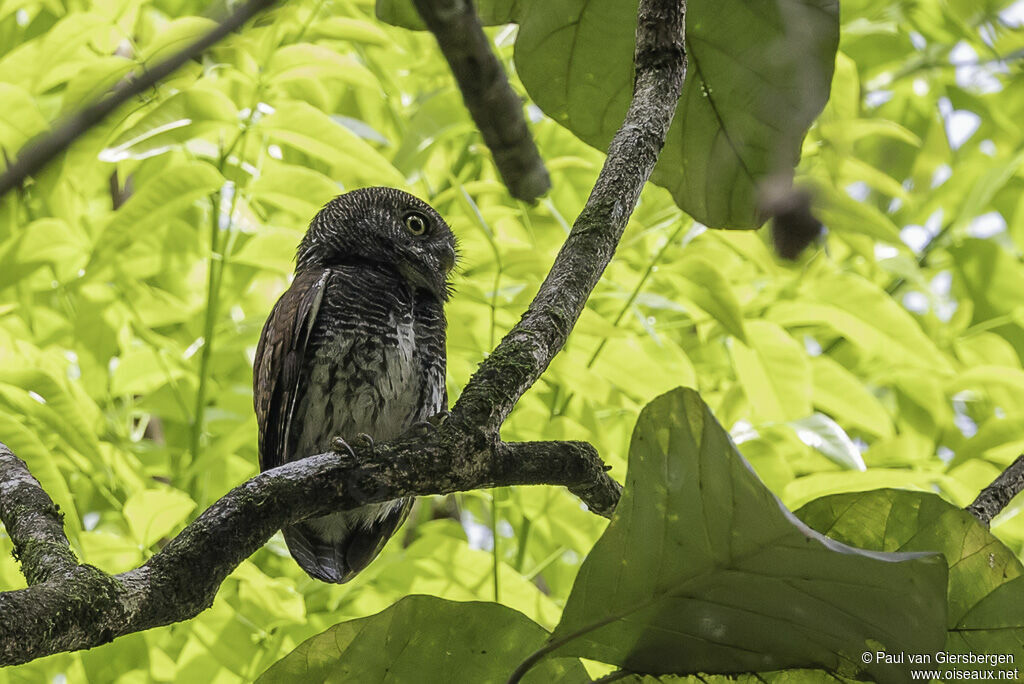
[(821, 433), (153, 513), (774, 371), (313, 133), (179, 118), (840, 393), (173, 190)]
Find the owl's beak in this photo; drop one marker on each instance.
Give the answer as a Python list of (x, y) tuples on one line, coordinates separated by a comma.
[(448, 260)]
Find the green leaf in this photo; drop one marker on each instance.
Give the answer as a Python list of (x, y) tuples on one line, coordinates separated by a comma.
[(703, 570), (27, 446), (840, 393), (989, 276), (313, 133), (866, 316), (155, 513), (178, 119), (272, 249), (344, 28), (46, 241), (176, 36), (1004, 385), (843, 214), (169, 192), (708, 288), (20, 118), (821, 433), (986, 587), (447, 567), (94, 80), (1002, 435), (758, 74), (774, 372), (423, 639), (294, 62), (295, 189), (63, 410)]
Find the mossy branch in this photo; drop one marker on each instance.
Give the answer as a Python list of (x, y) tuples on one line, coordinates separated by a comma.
[(69, 606)]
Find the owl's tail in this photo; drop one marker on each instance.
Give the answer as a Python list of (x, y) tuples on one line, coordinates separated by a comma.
[(336, 547)]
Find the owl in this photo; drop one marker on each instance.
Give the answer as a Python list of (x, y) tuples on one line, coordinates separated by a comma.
[(355, 348)]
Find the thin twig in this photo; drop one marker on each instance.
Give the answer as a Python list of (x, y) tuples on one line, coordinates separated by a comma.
[(994, 498), (37, 155), (494, 106)]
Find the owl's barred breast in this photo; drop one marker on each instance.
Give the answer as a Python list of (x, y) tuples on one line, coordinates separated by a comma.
[(366, 374)]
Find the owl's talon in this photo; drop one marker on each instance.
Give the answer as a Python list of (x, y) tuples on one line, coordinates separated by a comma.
[(365, 440), (422, 429), (340, 445)]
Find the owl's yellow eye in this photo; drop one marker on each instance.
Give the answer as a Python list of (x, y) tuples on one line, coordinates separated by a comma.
[(416, 223)]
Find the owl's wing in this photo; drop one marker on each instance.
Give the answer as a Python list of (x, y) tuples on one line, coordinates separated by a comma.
[(277, 368)]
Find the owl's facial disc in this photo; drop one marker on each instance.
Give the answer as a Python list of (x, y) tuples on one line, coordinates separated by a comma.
[(387, 227)]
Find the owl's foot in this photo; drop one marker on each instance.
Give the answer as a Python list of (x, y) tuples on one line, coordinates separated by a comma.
[(426, 428), (365, 440), (339, 446)]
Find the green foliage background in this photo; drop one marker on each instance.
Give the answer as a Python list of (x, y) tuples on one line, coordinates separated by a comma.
[(126, 337)]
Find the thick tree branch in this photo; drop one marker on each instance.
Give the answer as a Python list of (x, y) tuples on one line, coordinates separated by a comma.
[(37, 155), (994, 498), (35, 525), (528, 348), (81, 607), (495, 107)]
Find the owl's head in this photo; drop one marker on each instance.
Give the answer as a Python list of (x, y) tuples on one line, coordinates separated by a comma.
[(384, 227)]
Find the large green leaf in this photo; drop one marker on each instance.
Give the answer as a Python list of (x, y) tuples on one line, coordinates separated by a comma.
[(758, 73), (424, 639), (155, 513), (986, 580), (703, 570), (843, 395)]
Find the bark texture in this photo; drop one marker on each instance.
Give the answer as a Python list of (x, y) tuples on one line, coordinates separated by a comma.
[(70, 606), (494, 106), (994, 498)]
